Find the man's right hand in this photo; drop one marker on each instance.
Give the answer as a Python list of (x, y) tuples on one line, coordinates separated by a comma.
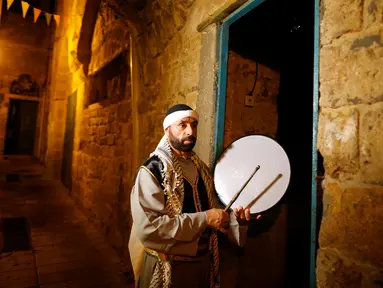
[(217, 219)]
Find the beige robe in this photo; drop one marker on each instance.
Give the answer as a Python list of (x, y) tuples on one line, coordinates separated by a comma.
[(178, 235)]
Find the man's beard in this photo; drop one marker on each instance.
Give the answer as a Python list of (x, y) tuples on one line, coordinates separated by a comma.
[(180, 145)]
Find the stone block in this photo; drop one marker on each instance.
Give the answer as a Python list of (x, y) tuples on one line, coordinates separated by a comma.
[(94, 113), (353, 223), (105, 151), (371, 143), (111, 118), (152, 71), (336, 271), (103, 141), (191, 43), (350, 69), (171, 56), (171, 82), (165, 24), (103, 121), (339, 17), (102, 131), (96, 150), (93, 122), (90, 131), (115, 128), (179, 12), (111, 139), (189, 73), (338, 140), (191, 98), (373, 12), (331, 209), (124, 112), (119, 152), (154, 41), (125, 130)]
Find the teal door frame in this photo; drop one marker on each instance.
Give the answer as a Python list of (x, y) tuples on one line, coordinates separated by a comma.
[(219, 125)]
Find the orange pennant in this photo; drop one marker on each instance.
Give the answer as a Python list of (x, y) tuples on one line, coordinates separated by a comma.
[(36, 13), (66, 22), (57, 19), (48, 16), (25, 7), (9, 3), (1, 8)]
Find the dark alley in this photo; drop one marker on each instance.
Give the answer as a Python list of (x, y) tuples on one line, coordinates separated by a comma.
[(66, 250)]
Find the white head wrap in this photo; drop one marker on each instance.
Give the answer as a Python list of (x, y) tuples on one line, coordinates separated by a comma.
[(178, 115)]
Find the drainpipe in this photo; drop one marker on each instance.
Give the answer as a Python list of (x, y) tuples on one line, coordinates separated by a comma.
[(136, 92)]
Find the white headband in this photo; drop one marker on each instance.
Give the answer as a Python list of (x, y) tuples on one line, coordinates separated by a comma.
[(178, 115)]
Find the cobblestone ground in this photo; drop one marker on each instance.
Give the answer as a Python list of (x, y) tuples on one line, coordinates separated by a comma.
[(67, 251)]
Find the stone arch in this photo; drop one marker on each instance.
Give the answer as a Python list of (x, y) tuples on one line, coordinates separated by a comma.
[(125, 9)]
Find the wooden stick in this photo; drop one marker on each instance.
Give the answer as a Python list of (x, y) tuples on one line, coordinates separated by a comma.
[(240, 191)]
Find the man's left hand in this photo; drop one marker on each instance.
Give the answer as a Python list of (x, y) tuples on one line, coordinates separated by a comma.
[(243, 215)]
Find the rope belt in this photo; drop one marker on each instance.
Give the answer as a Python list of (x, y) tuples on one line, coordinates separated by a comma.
[(201, 254)]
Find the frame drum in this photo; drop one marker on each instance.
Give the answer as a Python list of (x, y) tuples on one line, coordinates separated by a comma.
[(238, 163)]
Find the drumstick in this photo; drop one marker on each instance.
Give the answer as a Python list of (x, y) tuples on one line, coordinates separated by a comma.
[(240, 191)]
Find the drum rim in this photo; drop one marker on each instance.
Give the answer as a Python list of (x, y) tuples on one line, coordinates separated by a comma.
[(231, 143)]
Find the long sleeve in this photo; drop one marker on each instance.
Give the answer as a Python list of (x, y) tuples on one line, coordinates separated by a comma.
[(156, 230), (236, 233)]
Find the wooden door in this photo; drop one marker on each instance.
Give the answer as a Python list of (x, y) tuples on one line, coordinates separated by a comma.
[(21, 127)]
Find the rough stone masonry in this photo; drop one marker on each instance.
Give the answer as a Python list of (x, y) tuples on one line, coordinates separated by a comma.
[(351, 142), (168, 46)]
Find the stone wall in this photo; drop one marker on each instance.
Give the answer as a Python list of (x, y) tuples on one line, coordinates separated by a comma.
[(350, 140), (24, 49), (170, 53), (166, 45), (263, 117), (102, 172)]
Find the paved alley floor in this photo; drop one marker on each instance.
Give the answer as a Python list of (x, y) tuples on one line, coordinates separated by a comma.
[(67, 251)]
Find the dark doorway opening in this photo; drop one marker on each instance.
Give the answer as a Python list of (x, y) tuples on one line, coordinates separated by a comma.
[(16, 234), (21, 127), (279, 34), (66, 168)]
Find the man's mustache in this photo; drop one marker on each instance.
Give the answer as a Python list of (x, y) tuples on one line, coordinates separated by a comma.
[(189, 138)]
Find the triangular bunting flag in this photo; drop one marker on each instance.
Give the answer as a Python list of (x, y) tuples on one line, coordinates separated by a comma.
[(1, 8), (9, 3), (66, 22), (48, 16), (36, 13), (25, 7), (57, 19)]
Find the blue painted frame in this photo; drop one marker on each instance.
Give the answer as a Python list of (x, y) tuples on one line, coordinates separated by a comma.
[(222, 54), (219, 129), (314, 144)]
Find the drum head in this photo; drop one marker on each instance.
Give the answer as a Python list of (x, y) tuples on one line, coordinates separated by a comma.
[(238, 162)]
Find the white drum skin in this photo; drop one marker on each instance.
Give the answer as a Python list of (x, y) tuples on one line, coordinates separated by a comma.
[(238, 162)]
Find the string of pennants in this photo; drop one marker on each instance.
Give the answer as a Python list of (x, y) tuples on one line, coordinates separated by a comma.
[(36, 12)]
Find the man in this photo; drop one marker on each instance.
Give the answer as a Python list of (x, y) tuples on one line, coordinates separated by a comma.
[(175, 212)]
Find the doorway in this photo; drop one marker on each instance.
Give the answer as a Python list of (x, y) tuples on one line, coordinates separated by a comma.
[(21, 127), (266, 87), (66, 168)]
